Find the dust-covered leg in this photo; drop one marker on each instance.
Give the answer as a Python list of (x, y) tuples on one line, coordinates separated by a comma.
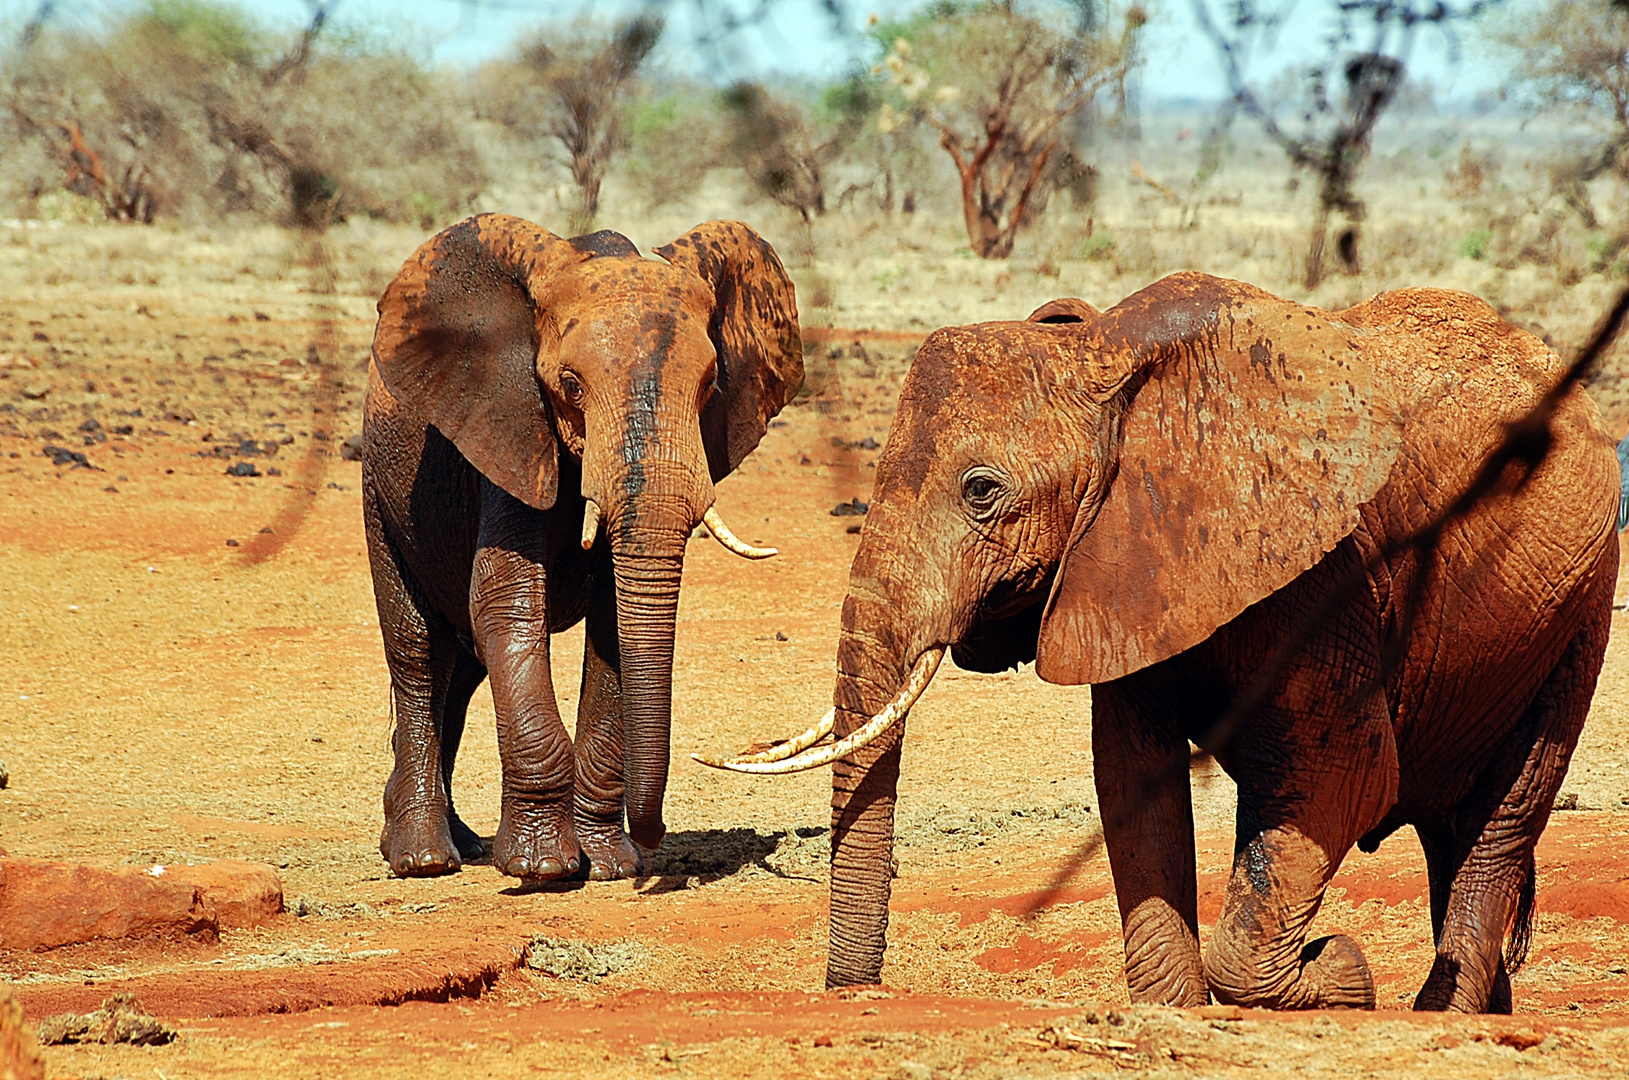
[(422, 652), (509, 617), (1141, 770), (1489, 887), (599, 800), (467, 676)]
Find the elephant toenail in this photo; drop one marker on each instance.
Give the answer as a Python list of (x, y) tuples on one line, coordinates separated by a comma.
[(518, 867), (550, 868), (599, 873)]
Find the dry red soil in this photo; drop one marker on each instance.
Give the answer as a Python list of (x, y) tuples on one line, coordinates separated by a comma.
[(170, 698)]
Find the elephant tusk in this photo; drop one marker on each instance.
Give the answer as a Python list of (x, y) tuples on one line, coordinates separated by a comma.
[(721, 532), (780, 751), (591, 522), (921, 674)]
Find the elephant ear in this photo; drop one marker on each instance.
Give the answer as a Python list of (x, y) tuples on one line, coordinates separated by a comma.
[(1064, 310), (754, 327), (457, 343), (1253, 431)]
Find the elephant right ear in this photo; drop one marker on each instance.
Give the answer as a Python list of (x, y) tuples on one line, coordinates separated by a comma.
[(457, 343), (1253, 430), (754, 327)]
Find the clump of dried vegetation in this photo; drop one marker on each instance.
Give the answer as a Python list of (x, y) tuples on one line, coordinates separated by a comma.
[(979, 157)]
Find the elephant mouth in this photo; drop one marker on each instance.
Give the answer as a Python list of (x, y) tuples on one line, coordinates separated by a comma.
[(716, 528), (800, 752)]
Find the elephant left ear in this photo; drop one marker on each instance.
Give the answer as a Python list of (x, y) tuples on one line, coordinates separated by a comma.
[(1254, 429), (754, 327)]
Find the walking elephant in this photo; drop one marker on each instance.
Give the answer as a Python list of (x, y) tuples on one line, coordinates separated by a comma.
[(1200, 503), (545, 421)]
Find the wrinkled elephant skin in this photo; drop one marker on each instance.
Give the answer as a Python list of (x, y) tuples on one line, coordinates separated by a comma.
[(544, 424), (1194, 502)]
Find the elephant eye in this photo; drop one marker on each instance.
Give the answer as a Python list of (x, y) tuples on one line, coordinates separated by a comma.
[(571, 387), (980, 490)]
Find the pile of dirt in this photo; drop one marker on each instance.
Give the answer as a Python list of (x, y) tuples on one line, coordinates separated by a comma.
[(121, 1019)]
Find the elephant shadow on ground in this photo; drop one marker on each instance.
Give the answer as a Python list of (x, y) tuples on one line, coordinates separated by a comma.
[(694, 858)]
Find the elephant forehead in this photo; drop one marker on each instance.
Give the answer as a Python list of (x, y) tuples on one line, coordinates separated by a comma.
[(632, 284), (974, 387)]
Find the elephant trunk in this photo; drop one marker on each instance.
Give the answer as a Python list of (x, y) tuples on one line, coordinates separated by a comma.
[(872, 663), (647, 596)]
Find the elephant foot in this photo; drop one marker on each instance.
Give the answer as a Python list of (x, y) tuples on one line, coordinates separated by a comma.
[(1449, 989), (1334, 975), (535, 842), (610, 853), (419, 848), (464, 838)]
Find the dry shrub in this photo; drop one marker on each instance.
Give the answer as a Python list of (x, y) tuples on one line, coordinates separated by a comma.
[(786, 145), (674, 138), (191, 109), (567, 91)]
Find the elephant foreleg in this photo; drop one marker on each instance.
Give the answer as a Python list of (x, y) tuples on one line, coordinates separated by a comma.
[(599, 800), (1309, 786), (1142, 790), (509, 616)]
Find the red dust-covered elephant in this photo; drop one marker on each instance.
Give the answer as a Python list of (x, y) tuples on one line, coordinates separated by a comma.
[(544, 424), (1199, 502)]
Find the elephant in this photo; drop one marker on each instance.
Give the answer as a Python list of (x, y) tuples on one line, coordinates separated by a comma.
[(1203, 503), (545, 421)]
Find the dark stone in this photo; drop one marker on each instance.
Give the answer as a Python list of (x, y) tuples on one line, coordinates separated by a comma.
[(853, 508), (61, 455), (242, 468)]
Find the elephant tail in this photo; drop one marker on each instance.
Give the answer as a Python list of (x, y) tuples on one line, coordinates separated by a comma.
[(1521, 928)]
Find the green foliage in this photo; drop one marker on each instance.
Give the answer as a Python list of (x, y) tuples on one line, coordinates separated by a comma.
[(1097, 247), (206, 30), (427, 210), (673, 140), (1474, 244)]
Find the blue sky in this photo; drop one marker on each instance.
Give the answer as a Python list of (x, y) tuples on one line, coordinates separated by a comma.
[(799, 38)]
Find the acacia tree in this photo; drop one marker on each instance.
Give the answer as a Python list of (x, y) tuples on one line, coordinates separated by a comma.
[(1344, 94), (573, 86), (999, 85), (1574, 56)]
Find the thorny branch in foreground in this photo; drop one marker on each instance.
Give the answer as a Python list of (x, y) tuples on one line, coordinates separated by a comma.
[(1526, 443)]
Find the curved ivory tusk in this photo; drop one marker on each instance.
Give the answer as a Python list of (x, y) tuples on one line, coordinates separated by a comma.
[(921, 674), (591, 523), (780, 751), (721, 532)]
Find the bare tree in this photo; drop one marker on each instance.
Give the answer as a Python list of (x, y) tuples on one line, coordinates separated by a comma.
[(573, 86), (999, 85), (1345, 93)]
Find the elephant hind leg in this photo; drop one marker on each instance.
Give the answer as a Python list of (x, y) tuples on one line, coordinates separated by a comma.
[(467, 676), (1481, 856)]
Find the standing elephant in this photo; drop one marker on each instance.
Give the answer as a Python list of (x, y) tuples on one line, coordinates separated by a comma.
[(1199, 503), (545, 421)]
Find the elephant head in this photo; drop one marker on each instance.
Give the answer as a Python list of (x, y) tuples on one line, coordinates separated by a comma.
[(659, 377), (1092, 491)]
